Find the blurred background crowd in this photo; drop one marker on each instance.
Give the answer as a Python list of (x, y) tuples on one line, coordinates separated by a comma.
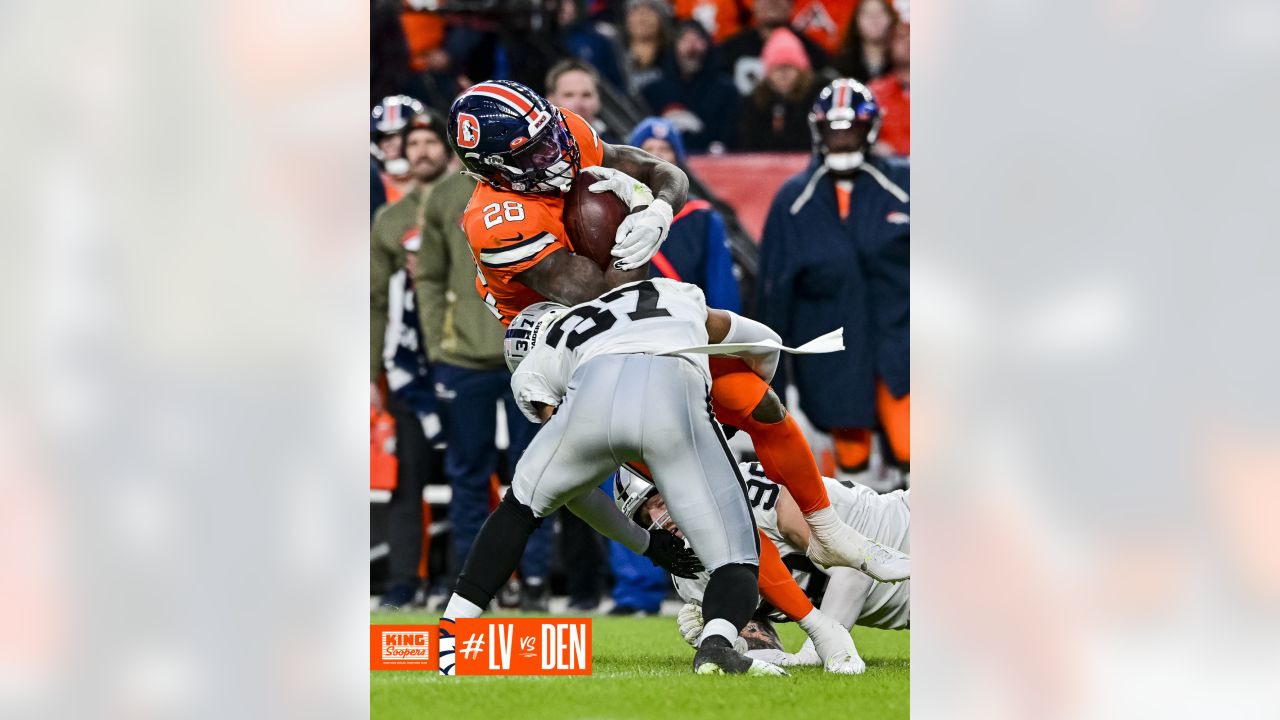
[(722, 88)]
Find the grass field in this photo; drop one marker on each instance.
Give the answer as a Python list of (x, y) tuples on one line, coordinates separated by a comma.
[(642, 669)]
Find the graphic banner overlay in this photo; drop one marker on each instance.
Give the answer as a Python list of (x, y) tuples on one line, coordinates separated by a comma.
[(523, 646), (404, 647), (488, 646)]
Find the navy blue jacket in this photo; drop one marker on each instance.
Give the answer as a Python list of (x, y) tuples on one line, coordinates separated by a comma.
[(818, 273), (697, 249)]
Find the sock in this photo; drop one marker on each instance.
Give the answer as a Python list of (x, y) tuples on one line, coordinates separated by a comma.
[(720, 628), (778, 587), (460, 607), (787, 459), (496, 551), (828, 637), (732, 594)]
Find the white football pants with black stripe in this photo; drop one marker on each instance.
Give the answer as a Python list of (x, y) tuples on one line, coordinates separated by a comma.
[(654, 410)]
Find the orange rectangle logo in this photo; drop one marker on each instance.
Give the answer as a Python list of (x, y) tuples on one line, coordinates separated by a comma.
[(404, 647), (523, 646)]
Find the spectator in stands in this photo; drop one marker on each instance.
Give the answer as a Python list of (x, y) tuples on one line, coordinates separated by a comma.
[(692, 95), (580, 39), (390, 72), (864, 54), (464, 343), (822, 21), (893, 93), (721, 18), (647, 31), (777, 113), (573, 84), (394, 346), (740, 54), (697, 248)]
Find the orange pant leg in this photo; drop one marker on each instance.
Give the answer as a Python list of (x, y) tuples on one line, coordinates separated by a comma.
[(895, 417), (781, 446), (853, 448), (776, 584)]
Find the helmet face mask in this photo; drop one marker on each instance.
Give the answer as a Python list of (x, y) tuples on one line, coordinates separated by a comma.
[(513, 139)]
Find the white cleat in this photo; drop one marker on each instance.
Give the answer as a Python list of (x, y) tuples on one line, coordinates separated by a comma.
[(837, 544), (845, 663)]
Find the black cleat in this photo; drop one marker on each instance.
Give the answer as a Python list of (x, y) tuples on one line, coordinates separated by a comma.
[(716, 656)]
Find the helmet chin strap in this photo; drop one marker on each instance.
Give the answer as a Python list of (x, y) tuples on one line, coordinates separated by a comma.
[(843, 162), (398, 167)]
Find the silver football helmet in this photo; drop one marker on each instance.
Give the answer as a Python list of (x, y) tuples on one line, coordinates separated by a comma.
[(526, 328), (631, 491)]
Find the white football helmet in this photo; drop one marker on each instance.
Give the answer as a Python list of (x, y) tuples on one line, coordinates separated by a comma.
[(631, 491), (526, 328)]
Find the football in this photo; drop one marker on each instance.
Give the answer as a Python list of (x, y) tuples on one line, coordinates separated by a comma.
[(592, 219)]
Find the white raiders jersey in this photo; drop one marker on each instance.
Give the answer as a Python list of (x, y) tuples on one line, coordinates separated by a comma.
[(884, 518), (648, 316)]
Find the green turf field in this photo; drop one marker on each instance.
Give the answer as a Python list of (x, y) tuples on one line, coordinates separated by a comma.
[(642, 669)]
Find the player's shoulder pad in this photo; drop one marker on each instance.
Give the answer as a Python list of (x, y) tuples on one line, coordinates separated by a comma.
[(582, 130)]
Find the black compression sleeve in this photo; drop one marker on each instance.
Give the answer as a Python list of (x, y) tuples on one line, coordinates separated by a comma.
[(496, 551)]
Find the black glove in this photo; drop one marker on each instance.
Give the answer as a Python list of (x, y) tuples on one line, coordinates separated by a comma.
[(669, 553)]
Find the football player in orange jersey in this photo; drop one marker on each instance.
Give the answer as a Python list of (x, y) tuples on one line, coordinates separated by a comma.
[(526, 152)]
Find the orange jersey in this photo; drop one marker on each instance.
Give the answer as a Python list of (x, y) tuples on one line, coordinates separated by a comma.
[(510, 232)]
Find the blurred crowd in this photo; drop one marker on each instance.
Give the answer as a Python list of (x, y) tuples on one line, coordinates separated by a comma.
[(679, 79)]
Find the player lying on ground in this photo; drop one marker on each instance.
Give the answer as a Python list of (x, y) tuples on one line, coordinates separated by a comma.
[(595, 376), (848, 596), (527, 152)]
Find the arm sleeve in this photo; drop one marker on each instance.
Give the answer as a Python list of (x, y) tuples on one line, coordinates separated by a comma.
[(722, 286), (432, 279), (744, 330), (381, 267), (600, 512), (541, 377)]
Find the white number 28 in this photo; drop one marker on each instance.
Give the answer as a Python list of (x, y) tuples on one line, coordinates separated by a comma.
[(509, 210)]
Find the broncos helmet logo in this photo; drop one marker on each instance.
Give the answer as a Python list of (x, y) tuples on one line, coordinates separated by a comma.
[(468, 130)]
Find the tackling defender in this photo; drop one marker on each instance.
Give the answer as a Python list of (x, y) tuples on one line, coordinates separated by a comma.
[(596, 376), (526, 152), (849, 597)]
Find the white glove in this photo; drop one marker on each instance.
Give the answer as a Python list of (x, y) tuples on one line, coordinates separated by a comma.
[(629, 190), (690, 620), (641, 234)]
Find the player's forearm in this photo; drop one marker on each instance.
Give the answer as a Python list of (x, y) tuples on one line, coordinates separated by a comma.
[(615, 278), (668, 182), (566, 278), (600, 512)]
